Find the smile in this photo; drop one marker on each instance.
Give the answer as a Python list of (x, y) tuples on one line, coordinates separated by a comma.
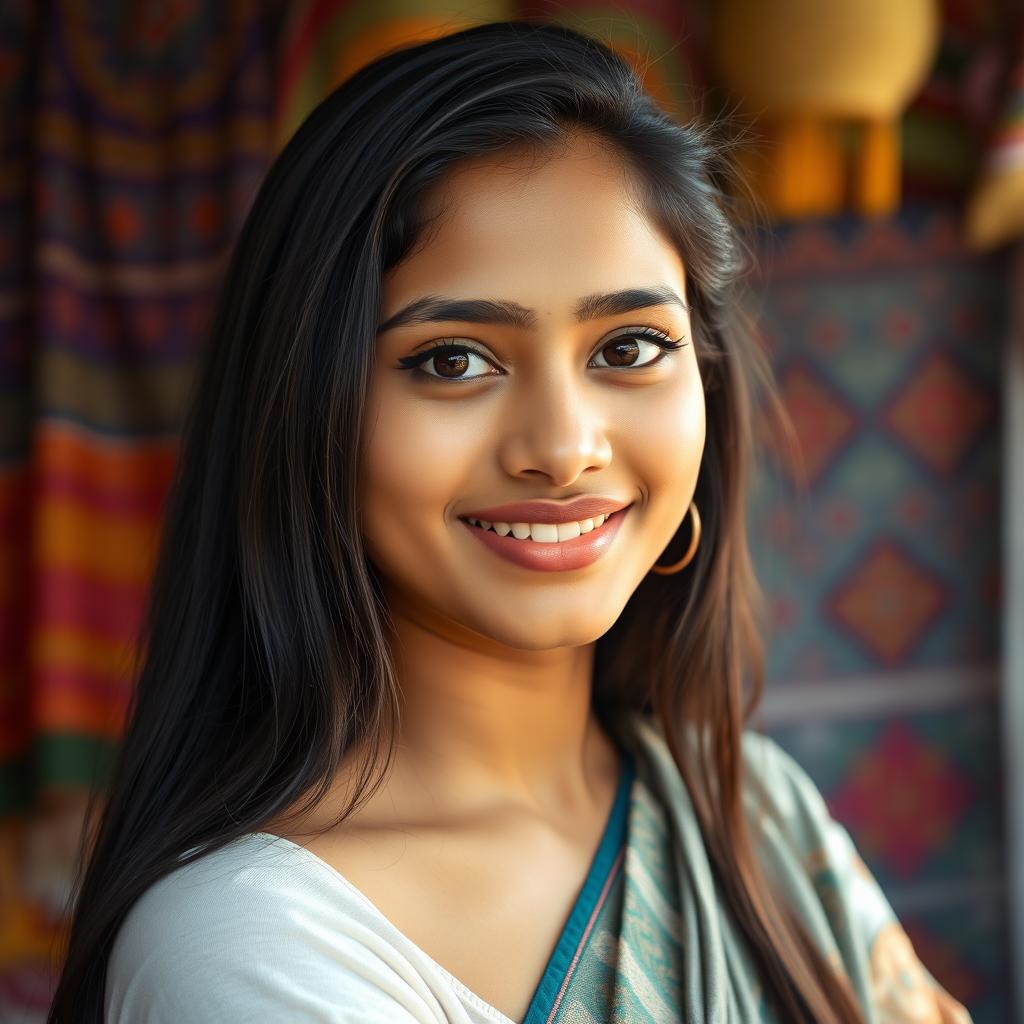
[(543, 533), (549, 547)]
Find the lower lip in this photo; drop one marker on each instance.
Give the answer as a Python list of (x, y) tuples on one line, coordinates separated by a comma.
[(562, 556)]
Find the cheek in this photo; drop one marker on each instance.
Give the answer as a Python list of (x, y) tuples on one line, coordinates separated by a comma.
[(668, 438), (415, 458)]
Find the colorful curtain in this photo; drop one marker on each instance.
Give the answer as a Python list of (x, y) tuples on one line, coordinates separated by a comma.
[(134, 137)]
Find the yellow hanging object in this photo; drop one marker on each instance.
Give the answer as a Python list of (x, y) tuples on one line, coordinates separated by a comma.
[(876, 181), (807, 71), (808, 165)]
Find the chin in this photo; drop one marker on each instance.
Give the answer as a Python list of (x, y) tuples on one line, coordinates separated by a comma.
[(534, 632)]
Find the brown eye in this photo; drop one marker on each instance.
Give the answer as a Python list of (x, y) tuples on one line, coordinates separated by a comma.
[(447, 362), (450, 364), (625, 352)]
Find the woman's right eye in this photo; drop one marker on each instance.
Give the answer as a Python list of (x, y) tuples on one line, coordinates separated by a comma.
[(452, 362)]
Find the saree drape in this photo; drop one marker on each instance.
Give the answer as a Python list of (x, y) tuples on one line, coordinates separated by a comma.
[(659, 944)]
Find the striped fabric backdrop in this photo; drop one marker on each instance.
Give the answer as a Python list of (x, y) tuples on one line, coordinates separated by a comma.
[(134, 137)]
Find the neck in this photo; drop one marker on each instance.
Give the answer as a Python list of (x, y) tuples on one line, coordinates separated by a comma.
[(487, 726)]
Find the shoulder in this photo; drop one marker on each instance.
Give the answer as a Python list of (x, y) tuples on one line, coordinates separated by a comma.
[(772, 781), (254, 931), (773, 777), (818, 871), (804, 841), (799, 828)]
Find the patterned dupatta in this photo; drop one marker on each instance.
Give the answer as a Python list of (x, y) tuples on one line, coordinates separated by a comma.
[(649, 939)]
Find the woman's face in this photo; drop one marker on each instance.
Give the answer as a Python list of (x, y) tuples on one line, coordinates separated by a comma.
[(548, 407)]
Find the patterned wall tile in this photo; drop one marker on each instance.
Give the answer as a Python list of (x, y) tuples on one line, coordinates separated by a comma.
[(920, 792), (887, 601), (885, 341), (940, 413), (883, 573), (824, 420)]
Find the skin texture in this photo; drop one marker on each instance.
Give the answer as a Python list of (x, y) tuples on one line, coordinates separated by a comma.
[(502, 765)]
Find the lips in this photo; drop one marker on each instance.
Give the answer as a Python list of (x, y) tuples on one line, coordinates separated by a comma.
[(560, 556), (541, 511)]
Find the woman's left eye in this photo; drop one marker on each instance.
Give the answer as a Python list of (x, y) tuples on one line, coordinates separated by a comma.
[(625, 348)]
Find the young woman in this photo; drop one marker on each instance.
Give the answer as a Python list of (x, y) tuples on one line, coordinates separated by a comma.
[(440, 713)]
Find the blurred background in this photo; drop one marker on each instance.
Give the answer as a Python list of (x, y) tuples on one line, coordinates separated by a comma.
[(883, 144)]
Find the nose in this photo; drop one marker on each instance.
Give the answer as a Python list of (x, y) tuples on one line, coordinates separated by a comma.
[(558, 431)]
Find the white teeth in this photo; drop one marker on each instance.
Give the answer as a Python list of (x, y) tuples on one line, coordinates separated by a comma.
[(566, 531), (542, 533)]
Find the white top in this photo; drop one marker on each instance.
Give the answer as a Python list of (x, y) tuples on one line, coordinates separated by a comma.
[(263, 930)]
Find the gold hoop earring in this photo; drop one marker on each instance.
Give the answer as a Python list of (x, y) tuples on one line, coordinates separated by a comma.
[(667, 570)]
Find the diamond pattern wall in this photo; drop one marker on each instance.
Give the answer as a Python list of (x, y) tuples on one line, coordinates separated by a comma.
[(882, 568), (888, 601)]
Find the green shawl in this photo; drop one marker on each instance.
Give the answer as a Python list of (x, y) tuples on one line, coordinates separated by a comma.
[(650, 938)]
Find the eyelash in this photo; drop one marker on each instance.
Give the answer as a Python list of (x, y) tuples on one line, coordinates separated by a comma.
[(662, 340)]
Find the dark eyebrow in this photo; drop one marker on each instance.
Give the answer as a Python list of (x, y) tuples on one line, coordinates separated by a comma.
[(432, 308)]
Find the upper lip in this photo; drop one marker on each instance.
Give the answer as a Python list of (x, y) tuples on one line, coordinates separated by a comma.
[(541, 511)]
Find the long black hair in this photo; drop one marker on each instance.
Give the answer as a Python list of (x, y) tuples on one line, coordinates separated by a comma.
[(263, 658)]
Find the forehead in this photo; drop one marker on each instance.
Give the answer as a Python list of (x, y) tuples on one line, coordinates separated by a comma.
[(536, 227)]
